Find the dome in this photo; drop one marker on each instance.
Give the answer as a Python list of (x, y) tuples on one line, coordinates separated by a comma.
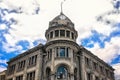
[(61, 20)]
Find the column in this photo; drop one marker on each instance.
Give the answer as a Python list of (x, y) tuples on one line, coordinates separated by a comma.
[(82, 67), (52, 65)]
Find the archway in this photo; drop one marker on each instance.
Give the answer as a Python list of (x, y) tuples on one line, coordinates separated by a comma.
[(62, 72)]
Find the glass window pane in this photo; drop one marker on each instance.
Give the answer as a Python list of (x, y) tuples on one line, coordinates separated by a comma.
[(61, 72), (51, 34), (68, 33), (56, 33), (62, 33), (72, 35), (57, 52), (62, 52), (67, 52)]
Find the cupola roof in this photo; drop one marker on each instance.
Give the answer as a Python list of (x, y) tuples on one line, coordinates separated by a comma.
[(61, 19)]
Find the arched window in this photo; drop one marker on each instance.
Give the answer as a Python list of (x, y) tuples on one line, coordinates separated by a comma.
[(48, 73), (62, 72)]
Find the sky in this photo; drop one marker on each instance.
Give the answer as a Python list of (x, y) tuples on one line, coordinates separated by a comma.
[(23, 24)]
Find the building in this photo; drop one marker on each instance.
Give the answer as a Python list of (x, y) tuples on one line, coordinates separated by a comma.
[(61, 58), (3, 75)]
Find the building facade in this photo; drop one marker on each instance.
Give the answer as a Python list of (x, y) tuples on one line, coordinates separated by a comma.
[(61, 58), (3, 75)]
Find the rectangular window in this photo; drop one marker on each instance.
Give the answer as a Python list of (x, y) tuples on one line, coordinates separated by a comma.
[(10, 79), (56, 33), (62, 52), (95, 65), (87, 61), (57, 52), (2, 77), (101, 69), (67, 33), (88, 76), (19, 77), (21, 65), (96, 78), (51, 34), (48, 36), (32, 60), (11, 69), (62, 33), (67, 52), (31, 76), (72, 35)]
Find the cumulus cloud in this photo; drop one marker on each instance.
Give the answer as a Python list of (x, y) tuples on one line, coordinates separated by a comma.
[(109, 52)]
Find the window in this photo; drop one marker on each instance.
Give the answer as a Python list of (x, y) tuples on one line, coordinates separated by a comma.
[(62, 33), (62, 72), (21, 65), (31, 76), (101, 69), (56, 33), (48, 73), (11, 69), (87, 61), (57, 52), (67, 33), (32, 60), (10, 79), (95, 65), (62, 52), (51, 34), (2, 77), (75, 74), (89, 76), (72, 35), (19, 77), (67, 51), (96, 78), (48, 36)]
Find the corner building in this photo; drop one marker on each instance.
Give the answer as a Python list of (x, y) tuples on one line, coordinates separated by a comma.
[(61, 58)]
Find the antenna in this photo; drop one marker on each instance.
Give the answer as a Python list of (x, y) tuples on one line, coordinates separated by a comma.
[(62, 6)]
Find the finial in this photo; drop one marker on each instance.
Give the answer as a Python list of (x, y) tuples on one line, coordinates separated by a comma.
[(62, 6)]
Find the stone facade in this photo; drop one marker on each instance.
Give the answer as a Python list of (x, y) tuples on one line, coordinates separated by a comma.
[(61, 58)]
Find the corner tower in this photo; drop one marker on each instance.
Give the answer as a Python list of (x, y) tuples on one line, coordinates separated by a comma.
[(61, 46)]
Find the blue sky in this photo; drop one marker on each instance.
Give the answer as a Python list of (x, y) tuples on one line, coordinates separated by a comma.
[(23, 25)]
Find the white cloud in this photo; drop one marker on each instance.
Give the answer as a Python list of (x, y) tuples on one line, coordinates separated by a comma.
[(2, 68), (81, 12), (117, 70), (110, 52), (3, 61), (2, 27)]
